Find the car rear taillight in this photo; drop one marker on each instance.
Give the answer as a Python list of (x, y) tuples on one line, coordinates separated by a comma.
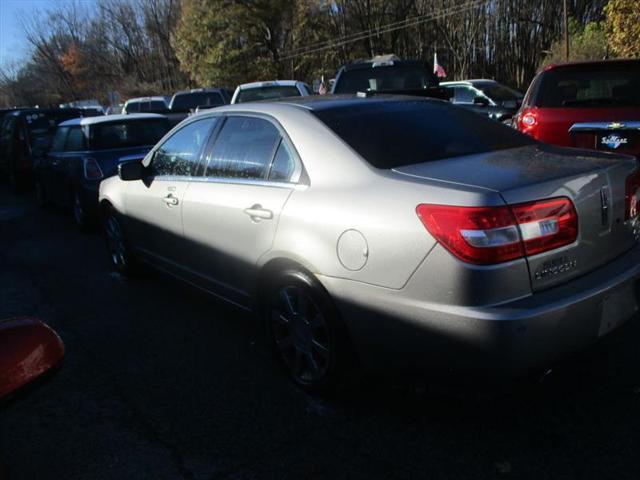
[(92, 170), (632, 192), (490, 235), (527, 121)]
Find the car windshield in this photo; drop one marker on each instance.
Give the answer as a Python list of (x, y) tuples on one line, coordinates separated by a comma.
[(394, 134), (499, 93), (188, 101), (606, 85), (42, 126), (386, 78), (131, 133), (267, 93)]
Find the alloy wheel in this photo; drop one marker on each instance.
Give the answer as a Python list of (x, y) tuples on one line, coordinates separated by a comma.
[(116, 243), (301, 334)]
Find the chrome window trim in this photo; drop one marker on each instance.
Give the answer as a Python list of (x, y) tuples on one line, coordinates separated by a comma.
[(230, 180), (591, 126)]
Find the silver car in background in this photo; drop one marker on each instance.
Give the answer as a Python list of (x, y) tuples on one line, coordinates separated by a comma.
[(409, 232), (271, 90)]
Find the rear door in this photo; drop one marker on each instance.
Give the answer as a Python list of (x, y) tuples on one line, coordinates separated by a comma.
[(231, 213), (51, 159), (154, 205), (66, 165)]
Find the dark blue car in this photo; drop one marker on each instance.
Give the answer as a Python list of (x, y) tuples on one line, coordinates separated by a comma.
[(85, 151)]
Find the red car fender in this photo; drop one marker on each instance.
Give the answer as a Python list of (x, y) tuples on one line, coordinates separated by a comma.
[(28, 349)]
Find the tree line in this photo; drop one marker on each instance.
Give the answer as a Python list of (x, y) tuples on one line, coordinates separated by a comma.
[(144, 47)]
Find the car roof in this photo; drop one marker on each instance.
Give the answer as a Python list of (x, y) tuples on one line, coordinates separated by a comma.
[(109, 119), (269, 83), (316, 103), (146, 99), (197, 90), (593, 63), (367, 64), (472, 81)]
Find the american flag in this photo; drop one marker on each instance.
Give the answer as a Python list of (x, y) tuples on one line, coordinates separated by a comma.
[(437, 68)]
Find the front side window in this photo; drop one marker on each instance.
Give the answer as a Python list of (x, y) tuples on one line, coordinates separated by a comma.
[(75, 140), (58, 140), (244, 149), (180, 153), (464, 95)]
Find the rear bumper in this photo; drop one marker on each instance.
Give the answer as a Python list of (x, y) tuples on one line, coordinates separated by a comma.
[(392, 329)]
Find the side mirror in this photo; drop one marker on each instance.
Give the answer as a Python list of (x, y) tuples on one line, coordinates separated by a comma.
[(483, 101), (130, 171)]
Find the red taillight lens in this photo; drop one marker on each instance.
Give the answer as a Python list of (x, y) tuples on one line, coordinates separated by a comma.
[(92, 170), (546, 225), (489, 235), (528, 121), (632, 192)]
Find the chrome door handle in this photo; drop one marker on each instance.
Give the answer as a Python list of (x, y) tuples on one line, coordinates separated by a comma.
[(170, 200), (256, 212)]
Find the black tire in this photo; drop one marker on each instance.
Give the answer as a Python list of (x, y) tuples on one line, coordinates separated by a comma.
[(306, 333), (120, 255), (41, 197), (81, 214), (15, 183)]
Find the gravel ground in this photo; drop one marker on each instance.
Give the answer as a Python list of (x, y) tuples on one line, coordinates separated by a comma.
[(162, 382)]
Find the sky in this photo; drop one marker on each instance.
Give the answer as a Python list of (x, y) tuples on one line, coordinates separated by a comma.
[(13, 44)]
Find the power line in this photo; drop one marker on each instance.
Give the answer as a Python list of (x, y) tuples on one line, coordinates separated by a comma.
[(390, 27)]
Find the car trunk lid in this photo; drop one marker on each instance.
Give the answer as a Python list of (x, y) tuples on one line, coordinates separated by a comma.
[(595, 183)]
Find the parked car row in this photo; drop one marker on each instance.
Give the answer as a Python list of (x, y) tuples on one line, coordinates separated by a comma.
[(405, 232)]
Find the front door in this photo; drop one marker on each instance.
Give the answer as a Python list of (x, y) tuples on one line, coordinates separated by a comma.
[(231, 213), (154, 205)]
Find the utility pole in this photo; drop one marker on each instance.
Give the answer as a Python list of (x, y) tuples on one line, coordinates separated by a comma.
[(566, 33)]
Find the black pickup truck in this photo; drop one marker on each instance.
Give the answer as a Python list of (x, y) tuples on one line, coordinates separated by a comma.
[(405, 77)]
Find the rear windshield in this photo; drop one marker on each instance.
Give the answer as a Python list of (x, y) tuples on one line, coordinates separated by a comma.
[(607, 85), (157, 106), (266, 93), (126, 134), (188, 101), (42, 126), (385, 78), (396, 134)]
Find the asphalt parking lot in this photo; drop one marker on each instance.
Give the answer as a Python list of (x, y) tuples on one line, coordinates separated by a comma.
[(162, 382)]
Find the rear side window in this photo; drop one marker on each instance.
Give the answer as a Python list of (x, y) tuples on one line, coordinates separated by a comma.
[(266, 93), (75, 140), (283, 164), (132, 107), (244, 149), (392, 134), (58, 140), (607, 85), (180, 153)]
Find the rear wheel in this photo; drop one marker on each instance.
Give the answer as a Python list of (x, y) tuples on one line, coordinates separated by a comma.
[(41, 196), (81, 215), (120, 257), (306, 332)]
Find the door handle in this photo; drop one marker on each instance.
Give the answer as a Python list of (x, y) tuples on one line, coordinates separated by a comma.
[(170, 200), (256, 212)]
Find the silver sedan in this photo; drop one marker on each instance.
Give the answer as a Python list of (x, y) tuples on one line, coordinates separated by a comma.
[(406, 233)]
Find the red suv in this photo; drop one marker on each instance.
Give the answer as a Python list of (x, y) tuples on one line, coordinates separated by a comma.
[(592, 105)]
